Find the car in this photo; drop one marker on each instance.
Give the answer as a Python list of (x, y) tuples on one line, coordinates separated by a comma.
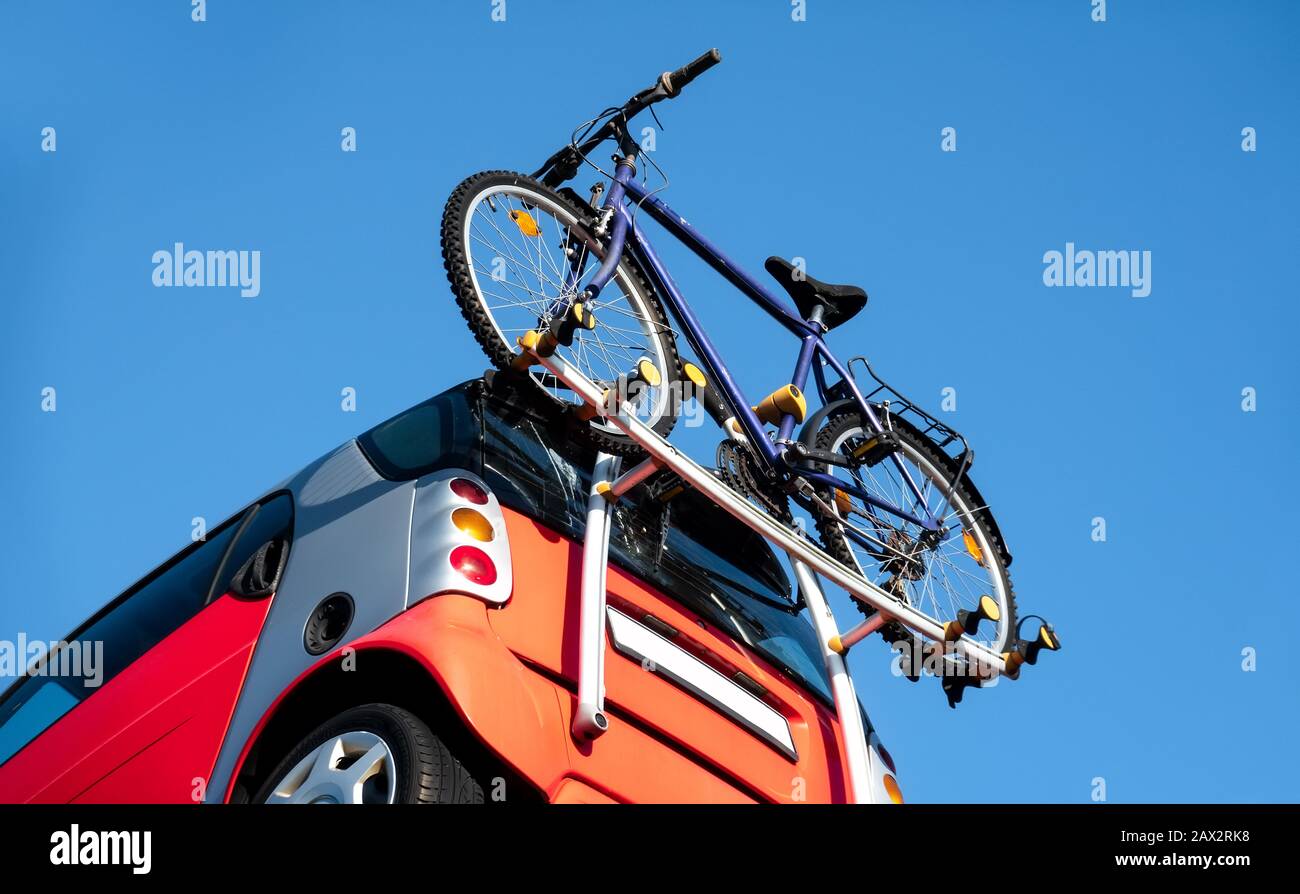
[(398, 623)]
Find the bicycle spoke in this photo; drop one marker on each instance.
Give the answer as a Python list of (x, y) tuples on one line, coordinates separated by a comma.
[(940, 578)]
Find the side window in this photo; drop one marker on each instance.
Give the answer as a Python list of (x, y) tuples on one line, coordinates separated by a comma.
[(164, 601), (137, 621)]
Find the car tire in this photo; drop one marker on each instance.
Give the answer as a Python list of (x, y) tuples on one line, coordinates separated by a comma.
[(375, 753)]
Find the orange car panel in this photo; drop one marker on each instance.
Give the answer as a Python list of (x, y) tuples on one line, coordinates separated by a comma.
[(540, 624)]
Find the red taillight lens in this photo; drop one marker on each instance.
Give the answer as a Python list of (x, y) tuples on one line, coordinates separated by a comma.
[(887, 758), (476, 565), (468, 490)]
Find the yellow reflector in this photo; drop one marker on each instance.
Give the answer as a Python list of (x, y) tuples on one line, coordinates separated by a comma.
[(695, 374), (1046, 638), (989, 608), (524, 221), (891, 786), (649, 373), (474, 523), (972, 547)]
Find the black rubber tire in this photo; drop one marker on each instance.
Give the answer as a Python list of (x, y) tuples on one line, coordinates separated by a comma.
[(428, 773), (500, 353), (836, 543)]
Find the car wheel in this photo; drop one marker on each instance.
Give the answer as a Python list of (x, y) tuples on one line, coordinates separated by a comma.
[(371, 754)]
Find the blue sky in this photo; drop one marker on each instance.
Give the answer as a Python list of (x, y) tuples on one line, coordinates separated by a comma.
[(819, 139)]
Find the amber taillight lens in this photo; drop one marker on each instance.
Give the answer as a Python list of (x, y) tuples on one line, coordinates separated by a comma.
[(891, 786), (473, 523)]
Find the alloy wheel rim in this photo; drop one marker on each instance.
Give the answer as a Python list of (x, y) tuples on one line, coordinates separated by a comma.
[(355, 767)]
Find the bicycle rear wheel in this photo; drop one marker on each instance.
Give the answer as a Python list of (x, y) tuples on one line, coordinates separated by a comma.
[(518, 254), (937, 578)]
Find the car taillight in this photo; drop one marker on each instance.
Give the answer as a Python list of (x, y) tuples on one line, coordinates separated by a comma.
[(891, 786), (474, 565), (473, 523), (887, 758), (469, 491)]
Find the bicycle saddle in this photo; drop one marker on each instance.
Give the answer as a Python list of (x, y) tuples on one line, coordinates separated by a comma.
[(839, 303)]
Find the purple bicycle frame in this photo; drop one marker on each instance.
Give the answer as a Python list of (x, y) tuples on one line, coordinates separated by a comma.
[(812, 346)]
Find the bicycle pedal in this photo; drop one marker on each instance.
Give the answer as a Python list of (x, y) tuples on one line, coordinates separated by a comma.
[(877, 447)]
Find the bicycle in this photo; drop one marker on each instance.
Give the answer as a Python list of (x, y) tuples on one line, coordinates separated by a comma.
[(875, 471)]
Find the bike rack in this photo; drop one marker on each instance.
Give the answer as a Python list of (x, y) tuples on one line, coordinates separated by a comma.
[(809, 563), (989, 662), (589, 720)]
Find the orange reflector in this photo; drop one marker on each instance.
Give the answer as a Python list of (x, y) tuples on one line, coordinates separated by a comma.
[(524, 221), (474, 523), (972, 547), (891, 786), (843, 503)]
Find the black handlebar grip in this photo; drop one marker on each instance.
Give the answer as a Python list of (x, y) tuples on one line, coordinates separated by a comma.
[(674, 81)]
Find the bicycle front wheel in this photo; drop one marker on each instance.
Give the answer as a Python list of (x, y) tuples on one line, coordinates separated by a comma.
[(518, 254)]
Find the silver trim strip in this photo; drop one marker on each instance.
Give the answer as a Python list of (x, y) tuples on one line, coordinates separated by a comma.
[(638, 642)]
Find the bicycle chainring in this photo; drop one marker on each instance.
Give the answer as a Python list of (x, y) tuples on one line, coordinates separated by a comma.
[(741, 471)]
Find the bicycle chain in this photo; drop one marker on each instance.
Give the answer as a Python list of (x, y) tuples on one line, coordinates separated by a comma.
[(740, 470)]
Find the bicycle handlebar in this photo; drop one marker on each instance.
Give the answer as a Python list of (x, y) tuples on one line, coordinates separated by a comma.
[(674, 81), (564, 164)]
